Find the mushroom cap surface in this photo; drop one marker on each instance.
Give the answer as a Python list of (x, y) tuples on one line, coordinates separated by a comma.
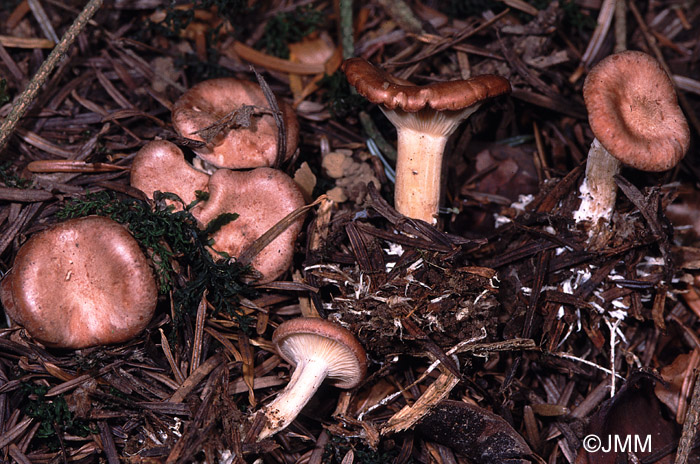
[(381, 88), (633, 111), (261, 198), (237, 148), (303, 337), (161, 165), (80, 283)]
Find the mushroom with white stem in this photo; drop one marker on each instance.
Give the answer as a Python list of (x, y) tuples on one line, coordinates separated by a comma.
[(319, 350), (210, 102), (634, 114), (425, 117), (81, 283)]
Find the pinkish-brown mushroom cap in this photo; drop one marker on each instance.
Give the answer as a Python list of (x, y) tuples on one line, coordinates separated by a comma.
[(261, 198), (633, 111), (161, 165), (80, 283), (346, 356), (381, 88), (241, 147)]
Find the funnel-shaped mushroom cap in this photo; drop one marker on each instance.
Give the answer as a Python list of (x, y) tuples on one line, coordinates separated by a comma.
[(81, 283), (634, 113), (381, 88), (298, 340), (424, 116), (239, 147), (161, 165), (261, 198)]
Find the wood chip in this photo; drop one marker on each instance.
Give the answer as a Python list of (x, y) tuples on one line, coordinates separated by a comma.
[(195, 378)]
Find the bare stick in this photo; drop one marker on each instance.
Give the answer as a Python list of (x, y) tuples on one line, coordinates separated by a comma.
[(346, 29), (690, 426), (25, 99), (620, 26)]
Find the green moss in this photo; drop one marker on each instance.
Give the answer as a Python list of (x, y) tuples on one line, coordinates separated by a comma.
[(289, 27), (174, 22), (222, 280), (340, 97), (202, 70), (162, 232), (4, 96), (53, 413), (575, 18), (10, 179), (177, 19)]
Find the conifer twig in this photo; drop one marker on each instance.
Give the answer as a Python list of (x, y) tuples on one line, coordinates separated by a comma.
[(690, 425), (25, 99), (620, 26), (347, 36)]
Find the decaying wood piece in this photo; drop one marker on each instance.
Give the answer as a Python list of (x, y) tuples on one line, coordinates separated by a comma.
[(408, 416), (476, 433)]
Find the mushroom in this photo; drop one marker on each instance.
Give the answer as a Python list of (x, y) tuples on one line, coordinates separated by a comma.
[(80, 283), (424, 116), (635, 118), (210, 102), (261, 198), (318, 349), (161, 165)]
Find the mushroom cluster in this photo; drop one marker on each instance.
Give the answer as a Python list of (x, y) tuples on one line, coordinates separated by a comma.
[(259, 195), (101, 289), (424, 116), (634, 114), (81, 283)]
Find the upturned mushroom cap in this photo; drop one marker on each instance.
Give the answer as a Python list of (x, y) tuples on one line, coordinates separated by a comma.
[(261, 198), (303, 337), (319, 350), (381, 88), (238, 148), (161, 165), (633, 111), (81, 283)]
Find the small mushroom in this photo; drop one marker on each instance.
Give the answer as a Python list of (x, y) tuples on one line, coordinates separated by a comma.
[(261, 198), (161, 165), (634, 114), (81, 283), (425, 116), (211, 101), (319, 350)]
